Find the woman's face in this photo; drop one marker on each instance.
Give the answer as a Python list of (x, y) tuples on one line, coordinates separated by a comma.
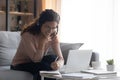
[(49, 28)]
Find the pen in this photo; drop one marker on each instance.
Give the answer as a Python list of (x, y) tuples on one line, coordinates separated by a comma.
[(56, 58)]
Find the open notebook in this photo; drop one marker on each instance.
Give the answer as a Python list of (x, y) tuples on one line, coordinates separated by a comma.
[(51, 74), (77, 60)]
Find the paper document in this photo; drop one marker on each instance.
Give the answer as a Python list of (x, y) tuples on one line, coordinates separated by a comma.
[(99, 72), (78, 75), (51, 74)]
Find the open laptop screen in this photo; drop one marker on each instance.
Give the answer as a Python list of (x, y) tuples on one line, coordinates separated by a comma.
[(78, 60)]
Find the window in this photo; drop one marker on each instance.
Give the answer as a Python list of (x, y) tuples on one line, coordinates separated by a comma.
[(94, 23)]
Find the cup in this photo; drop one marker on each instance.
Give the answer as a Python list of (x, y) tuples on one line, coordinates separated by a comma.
[(96, 64)]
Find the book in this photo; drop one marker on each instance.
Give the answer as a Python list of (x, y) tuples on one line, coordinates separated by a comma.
[(78, 76), (101, 73), (51, 74), (58, 75)]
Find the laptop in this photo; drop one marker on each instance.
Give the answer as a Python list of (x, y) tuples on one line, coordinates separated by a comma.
[(77, 61)]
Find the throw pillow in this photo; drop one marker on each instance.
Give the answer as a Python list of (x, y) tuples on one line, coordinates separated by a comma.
[(9, 42), (65, 47)]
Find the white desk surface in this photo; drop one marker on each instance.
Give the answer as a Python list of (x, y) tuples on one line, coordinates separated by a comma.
[(101, 78), (110, 79)]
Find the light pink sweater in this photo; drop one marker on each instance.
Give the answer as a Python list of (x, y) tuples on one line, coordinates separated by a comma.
[(28, 49)]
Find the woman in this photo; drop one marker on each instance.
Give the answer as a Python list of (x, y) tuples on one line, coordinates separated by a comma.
[(35, 41)]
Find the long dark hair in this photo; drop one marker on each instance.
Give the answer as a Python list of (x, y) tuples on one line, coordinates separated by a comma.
[(46, 15)]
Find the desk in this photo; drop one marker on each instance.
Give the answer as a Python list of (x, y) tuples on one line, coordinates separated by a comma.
[(75, 77), (55, 77), (115, 78), (71, 76)]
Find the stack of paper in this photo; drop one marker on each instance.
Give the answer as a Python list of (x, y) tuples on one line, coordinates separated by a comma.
[(51, 74), (78, 75), (57, 75), (101, 73)]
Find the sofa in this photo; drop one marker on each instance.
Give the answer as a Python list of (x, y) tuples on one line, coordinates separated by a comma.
[(9, 42)]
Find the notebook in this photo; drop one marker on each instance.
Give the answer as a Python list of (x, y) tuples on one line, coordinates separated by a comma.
[(77, 61), (99, 72), (51, 74)]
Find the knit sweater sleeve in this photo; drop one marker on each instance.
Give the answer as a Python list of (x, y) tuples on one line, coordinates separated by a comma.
[(57, 50), (30, 49)]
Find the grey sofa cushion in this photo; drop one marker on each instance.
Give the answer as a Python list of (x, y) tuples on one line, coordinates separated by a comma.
[(15, 75), (9, 42), (65, 47)]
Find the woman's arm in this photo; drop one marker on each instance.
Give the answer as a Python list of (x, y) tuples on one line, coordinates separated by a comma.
[(57, 50)]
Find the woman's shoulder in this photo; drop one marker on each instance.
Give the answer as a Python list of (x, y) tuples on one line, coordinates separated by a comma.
[(27, 35)]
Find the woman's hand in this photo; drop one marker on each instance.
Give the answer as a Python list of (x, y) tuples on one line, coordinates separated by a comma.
[(55, 65)]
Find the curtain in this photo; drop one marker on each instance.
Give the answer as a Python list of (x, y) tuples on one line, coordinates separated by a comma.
[(48, 4), (94, 23), (116, 32)]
